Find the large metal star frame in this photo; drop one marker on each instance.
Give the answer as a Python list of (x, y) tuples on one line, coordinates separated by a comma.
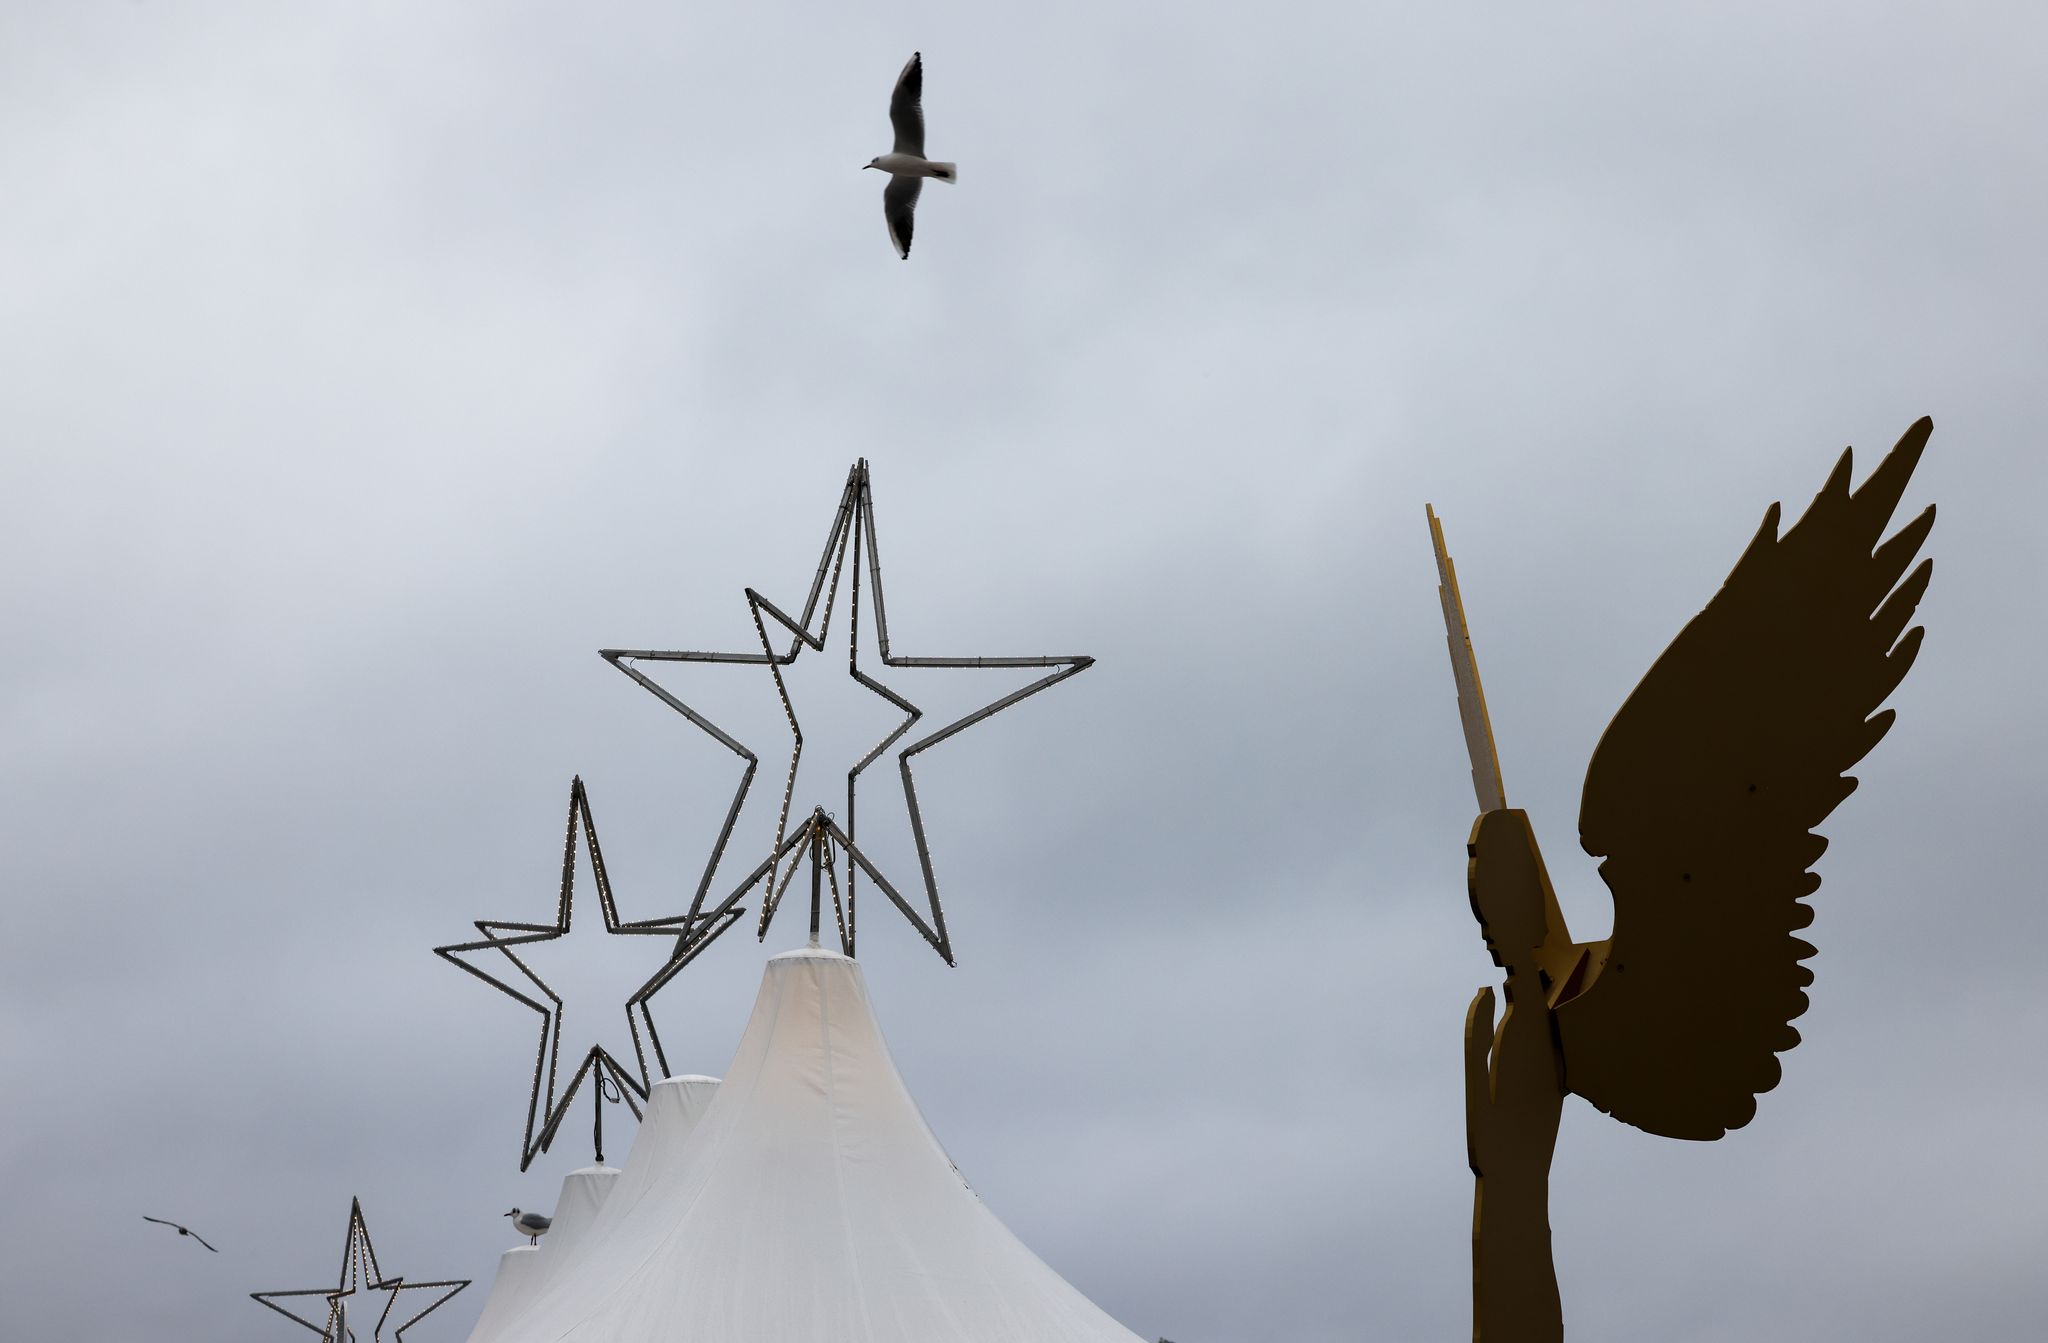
[(692, 934), (853, 529), (359, 1276)]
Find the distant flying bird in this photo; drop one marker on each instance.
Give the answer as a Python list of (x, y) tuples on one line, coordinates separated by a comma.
[(181, 1230), (530, 1225), (906, 164)]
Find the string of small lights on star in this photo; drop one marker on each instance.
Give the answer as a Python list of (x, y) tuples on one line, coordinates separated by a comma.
[(359, 1273)]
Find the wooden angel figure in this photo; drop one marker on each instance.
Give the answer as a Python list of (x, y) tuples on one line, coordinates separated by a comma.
[(1701, 802)]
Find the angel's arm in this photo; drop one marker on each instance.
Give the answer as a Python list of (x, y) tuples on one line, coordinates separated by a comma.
[(1478, 1084)]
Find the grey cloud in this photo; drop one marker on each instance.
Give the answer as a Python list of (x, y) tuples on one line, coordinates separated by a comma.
[(367, 370)]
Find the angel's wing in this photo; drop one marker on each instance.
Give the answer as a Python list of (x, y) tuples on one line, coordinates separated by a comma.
[(1702, 798)]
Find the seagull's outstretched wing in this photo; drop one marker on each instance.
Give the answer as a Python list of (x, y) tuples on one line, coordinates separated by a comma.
[(1703, 795), (181, 1230), (906, 110), (899, 207)]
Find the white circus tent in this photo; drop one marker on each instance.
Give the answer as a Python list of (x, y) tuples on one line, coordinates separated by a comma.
[(673, 1108), (810, 1204)]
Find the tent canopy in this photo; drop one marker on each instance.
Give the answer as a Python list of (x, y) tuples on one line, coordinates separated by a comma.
[(810, 1204)]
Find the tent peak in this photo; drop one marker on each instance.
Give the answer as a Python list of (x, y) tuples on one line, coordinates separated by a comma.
[(810, 954)]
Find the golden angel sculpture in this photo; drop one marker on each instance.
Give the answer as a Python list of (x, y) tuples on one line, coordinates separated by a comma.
[(1701, 802)]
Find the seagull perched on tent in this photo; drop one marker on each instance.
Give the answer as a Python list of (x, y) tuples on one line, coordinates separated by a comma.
[(530, 1225), (906, 164), (181, 1230)]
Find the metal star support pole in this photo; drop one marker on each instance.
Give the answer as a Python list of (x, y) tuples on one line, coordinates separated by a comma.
[(692, 934), (852, 530), (359, 1276)]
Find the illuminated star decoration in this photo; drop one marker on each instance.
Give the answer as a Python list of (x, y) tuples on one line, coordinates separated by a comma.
[(359, 1277), (631, 1085), (853, 529)]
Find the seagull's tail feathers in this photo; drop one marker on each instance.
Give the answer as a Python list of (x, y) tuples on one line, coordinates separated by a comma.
[(945, 172)]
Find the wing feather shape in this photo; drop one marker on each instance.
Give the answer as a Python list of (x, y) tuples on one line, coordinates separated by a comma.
[(906, 107), (1702, 797), (899, 210)]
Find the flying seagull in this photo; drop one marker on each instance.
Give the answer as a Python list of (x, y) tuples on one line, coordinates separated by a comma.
[(906, 164), (530, 1225), (181, 1230)]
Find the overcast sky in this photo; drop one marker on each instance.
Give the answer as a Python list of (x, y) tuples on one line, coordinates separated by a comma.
[(364, 369)]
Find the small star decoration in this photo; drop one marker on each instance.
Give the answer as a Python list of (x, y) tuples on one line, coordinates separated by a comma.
[(350, 1300), (631, 1085)]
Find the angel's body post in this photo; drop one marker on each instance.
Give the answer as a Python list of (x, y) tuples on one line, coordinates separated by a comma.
[(1514, 1073), (1514, 1098)]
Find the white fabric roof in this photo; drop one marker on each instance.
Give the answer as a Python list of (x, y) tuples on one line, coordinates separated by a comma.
[(511, 1290), (811, 1204), (576, 1206), (525, 1271)]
